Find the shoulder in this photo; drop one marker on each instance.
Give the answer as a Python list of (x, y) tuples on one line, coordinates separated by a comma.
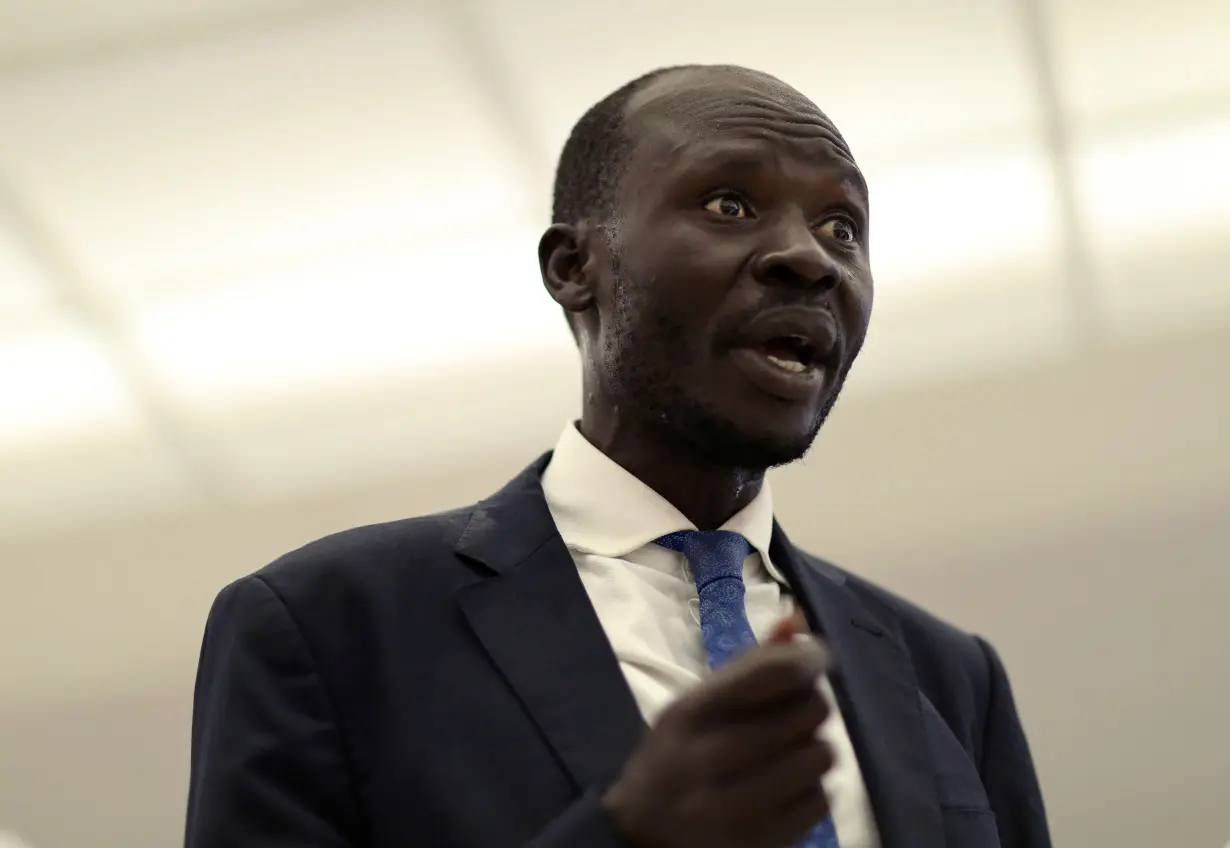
[(946, 657), (344, 577), (929, 637), (370, 552)]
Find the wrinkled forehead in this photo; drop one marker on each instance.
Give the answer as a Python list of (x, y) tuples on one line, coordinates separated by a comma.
[(695, 106)]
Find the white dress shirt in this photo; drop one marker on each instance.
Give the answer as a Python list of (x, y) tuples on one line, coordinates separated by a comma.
[(646, 599)]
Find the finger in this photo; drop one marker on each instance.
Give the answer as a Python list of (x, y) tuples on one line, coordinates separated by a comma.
[(788, 777), (763, 676), (746, 742)]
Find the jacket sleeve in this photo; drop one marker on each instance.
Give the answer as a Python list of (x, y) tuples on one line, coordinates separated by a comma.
[(269, 765), (1008, 771)]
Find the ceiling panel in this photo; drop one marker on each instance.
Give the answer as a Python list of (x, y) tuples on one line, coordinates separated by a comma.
[(330, 322), (949, 222), (252, 147), (979, 321), (891, 73), (1116, 56), (31, 28), (1156, 211), (1160, 182), (458, 416), (25, 293)]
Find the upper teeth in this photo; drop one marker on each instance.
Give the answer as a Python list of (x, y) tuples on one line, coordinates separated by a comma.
[(788, 364)]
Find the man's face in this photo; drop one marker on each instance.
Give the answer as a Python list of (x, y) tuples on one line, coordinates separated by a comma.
[(736, 290)]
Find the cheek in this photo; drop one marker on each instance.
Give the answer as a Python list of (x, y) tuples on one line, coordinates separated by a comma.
[(679, 277), (860, 295), (866, 301), (695, 260), (858, 319), (644, 326)]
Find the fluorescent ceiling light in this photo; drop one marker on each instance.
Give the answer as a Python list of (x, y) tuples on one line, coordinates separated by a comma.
[(57, 383), (1157, 186), (328, 324), (1157, 211), (929, 222)]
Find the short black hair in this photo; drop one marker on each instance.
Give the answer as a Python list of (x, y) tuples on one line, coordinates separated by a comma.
[(597, 149)]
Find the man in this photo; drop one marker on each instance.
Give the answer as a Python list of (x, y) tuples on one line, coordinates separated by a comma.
[(604, 654)]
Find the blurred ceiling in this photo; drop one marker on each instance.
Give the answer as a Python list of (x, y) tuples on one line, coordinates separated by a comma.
[(239, 238)]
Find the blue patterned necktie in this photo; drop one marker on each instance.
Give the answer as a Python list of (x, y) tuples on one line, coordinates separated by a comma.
[(716, 558)]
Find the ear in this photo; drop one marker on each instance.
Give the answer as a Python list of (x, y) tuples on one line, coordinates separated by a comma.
[(563, 257)]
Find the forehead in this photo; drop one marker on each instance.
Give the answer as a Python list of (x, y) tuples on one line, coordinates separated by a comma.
[(690, 114)]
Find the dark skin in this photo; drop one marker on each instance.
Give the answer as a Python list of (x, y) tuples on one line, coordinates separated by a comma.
[(740, 215), (739, 196)]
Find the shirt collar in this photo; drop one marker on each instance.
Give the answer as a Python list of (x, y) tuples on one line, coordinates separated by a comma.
[(601, 508)]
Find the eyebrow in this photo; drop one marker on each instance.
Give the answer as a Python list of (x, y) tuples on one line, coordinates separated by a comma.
[(746, 158)]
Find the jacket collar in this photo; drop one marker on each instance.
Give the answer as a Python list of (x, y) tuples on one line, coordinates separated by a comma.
[(535, 620)]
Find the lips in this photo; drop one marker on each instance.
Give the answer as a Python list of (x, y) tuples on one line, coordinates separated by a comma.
[(806, 336), (788, 352)]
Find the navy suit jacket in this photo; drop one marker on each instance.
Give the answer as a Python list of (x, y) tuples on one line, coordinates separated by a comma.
[(444, 681)]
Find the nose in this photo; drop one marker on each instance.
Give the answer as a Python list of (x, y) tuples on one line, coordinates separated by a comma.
[(796, 258)]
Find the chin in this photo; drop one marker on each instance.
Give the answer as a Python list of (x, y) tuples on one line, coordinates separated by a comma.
[(757, 444), (766, 450)]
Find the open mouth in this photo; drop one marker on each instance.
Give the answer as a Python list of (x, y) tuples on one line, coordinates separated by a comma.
[(794, 354), (787, 352)]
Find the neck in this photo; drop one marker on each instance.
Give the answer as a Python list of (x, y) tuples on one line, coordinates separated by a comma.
[(707, 494)]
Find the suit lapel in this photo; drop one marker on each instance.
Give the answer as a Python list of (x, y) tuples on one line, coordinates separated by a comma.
[(532, 615), (877, 691), (536, 622)]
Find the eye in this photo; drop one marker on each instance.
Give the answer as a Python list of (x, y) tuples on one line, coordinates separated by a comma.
[(841, 229), (728, 206)]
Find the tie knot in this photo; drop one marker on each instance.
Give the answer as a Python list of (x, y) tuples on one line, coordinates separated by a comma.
[(713, 554)]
